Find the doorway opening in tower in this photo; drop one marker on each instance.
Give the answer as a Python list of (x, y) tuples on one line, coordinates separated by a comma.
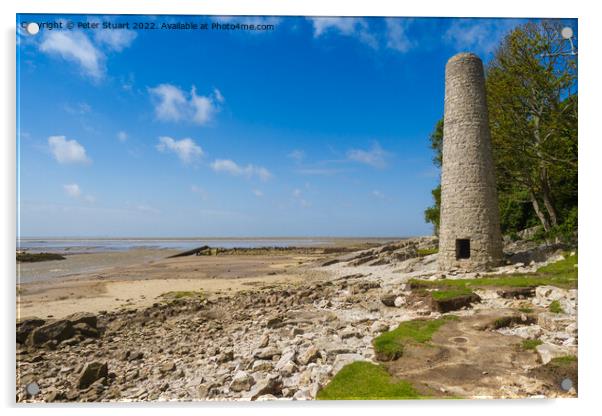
[(462, 248)]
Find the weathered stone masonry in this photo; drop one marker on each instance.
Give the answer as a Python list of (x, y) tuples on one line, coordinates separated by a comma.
[(470, 236)]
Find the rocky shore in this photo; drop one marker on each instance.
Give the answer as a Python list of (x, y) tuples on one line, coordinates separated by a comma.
[(289, 341)]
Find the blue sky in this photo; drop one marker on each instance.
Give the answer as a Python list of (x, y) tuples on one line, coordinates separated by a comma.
[(316, 128)]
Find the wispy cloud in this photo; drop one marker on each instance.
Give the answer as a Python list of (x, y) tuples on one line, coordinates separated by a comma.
[(478, 35), (186, 149), (378, 194), (67, 151), (258, 193), (297, 155), (298, 197), (199, 191), (115, 40), (375, 156), (75, 47), (231, 167), (173, 104), (346, 26), (397, 36), (122, 136), (74, 191)]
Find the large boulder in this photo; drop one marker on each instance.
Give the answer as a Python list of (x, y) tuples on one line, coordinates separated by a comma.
[(92, 372), (241, 381), (26, 326), (58, 330), (83, 317)]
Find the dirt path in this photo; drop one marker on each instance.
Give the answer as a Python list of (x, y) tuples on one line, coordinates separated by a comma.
[(464, 360)]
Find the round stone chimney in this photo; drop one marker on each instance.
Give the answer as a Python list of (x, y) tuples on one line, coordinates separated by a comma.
[(469, 233)]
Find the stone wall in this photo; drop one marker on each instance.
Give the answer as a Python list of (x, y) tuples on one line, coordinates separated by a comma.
[(469, 204)]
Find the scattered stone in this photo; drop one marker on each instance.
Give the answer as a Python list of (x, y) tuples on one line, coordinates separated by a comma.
[(92, 372), (26, 326), (58, 331), (241, 381), (308, 356)]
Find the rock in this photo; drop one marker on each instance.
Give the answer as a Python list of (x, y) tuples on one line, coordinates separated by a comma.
[(83, 317), (288, 368), (554, 322), (544, 295), (350, 333), (262, 365), (549, 351), (311, 354), (263, 341), (342, 360), (86, 330), (269, 385), (517, 293), (330, 262), (399, 301), (58, 330), (302, 394), (92, 372), (455, 303), (266, 353), (528, 332), (26, 326), (388, 300), (137, 355), (241, 381), (378, 327), (226, 356), (266, 397), (287, 356), (168, 367), (275, 322)]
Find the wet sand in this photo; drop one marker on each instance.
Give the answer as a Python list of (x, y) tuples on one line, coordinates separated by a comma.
[(141, 284)]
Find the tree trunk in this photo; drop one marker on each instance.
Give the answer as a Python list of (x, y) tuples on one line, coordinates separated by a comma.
[(540, 214), (547, 199)]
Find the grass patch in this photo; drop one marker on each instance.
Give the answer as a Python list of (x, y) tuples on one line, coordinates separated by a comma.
[(389, 345), (362, 380), (531, 344), (555, 307), (36, 257), (422, 252), (564, 360), (525, 309), (452, 293), (561, 274)]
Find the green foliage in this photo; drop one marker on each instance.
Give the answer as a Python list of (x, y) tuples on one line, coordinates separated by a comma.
[(531, 344), (432, 214), (525, 309), (555, 307), (564, 360), (362, 380), (389, 345), (37, 257)]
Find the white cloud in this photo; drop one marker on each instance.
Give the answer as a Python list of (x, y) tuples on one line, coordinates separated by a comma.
[(346, 26), (477, 35), (186, 149), (147, 209), (375, 157), (116, 40), (67, 151), (297, 193), (297, 155), (75, 47), (173, 104), (258, 193), (397, 37), (122, 136), (72, 190), (298, 196), (78, 109), (231, 167)]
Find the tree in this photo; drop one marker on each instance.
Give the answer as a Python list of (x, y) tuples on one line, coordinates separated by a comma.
[(531, 93), (432, 214)]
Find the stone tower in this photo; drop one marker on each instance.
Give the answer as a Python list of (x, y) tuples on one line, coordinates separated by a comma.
[(469, 233)]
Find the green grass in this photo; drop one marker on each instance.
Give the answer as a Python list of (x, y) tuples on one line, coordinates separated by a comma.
[(525, 309), (564, 360), (389, 345), (531, 344), (555, 307), (36, 257), (561, 274), (426, 251), (362, 380), (450, 293)]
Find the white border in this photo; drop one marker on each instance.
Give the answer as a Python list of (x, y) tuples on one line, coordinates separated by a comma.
[(590, 308)]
